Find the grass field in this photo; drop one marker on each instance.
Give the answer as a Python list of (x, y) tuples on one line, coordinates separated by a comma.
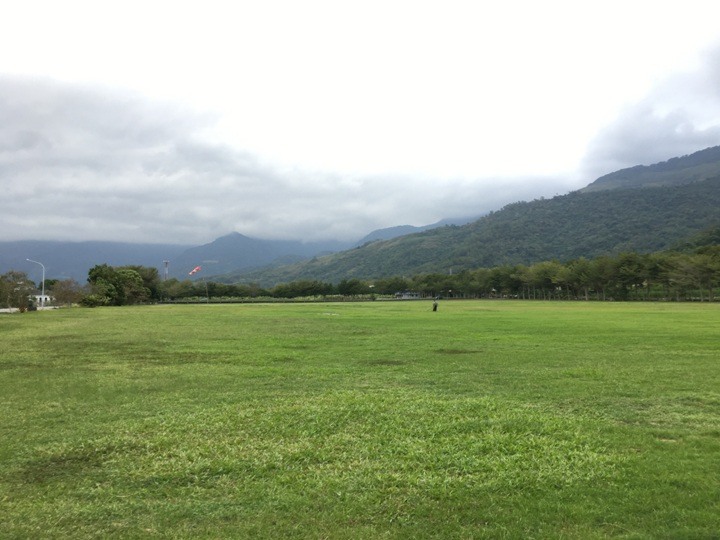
[(362, 420)]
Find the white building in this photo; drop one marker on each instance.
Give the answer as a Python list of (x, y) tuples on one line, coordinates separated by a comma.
[(41, 300)]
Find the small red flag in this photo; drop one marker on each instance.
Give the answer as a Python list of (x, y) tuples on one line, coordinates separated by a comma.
[(194, 270)]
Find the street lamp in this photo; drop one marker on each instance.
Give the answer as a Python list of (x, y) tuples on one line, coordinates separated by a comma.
[(42, 298)]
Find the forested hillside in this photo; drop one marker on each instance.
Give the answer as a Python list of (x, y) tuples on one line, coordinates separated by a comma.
[(562, 228), (680, 170), (403, 230)]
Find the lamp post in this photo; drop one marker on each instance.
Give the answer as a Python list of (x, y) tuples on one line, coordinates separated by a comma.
[(42, 297)]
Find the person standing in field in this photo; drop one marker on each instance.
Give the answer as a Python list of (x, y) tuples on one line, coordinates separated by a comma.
[(435, 304)]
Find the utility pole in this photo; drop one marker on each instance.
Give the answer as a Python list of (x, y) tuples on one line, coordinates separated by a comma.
[(42, 297)]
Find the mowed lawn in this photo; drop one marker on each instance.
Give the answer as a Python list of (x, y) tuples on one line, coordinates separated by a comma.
[(486, 419)]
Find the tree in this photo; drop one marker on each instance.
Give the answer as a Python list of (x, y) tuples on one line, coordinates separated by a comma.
[(562, 278), (544, 276), (506, 280), (482, 281), (602, 275), (653, 272), (313, 288), (523, 275), (115, 286), (104, 290), (630, 274), (709, 260), (173, 288), (150, 278), (391, 285), (580, 272), (690, 274), (433, 284), (466, 285), (16, 289), (680, 275), (132, 286), (352, 287), (66, 291)]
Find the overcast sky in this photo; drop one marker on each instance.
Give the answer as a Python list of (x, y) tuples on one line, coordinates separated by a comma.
[(179, 122)]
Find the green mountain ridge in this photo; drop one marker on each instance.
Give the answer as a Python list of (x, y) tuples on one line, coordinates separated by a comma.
[(695, 167), (651, 208)]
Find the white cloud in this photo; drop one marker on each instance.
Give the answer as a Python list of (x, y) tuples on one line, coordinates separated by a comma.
[(680, 115), (180, 122), (83, 164)]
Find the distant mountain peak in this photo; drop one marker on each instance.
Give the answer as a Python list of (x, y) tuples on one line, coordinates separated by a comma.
[(230, 236), (642, 209)]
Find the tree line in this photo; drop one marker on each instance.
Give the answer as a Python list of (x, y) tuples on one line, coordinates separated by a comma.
[(677, 276), (628, 276)]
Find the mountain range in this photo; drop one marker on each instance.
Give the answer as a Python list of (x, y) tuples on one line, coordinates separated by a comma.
[(72, 260), (230, 253), (642, 208)]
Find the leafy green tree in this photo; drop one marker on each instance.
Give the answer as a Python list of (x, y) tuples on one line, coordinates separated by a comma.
[(482, 281), (693, 275), (151, 280), (653, 272), (543, 278), (630, 274), (465, 285), (709, 260), (562, 278), (580, 276), (602, 275), (506, 280), (115, 286), (132, 285), (250, 290), (679, 272), (302, 288), (523, 276), (391, 285), (705, 272), (352, 287), (666, 272), (104, 287), (174, 288), (433, 284)]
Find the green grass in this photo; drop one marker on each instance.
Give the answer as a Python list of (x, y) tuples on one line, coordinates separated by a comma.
[(362, 420)]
